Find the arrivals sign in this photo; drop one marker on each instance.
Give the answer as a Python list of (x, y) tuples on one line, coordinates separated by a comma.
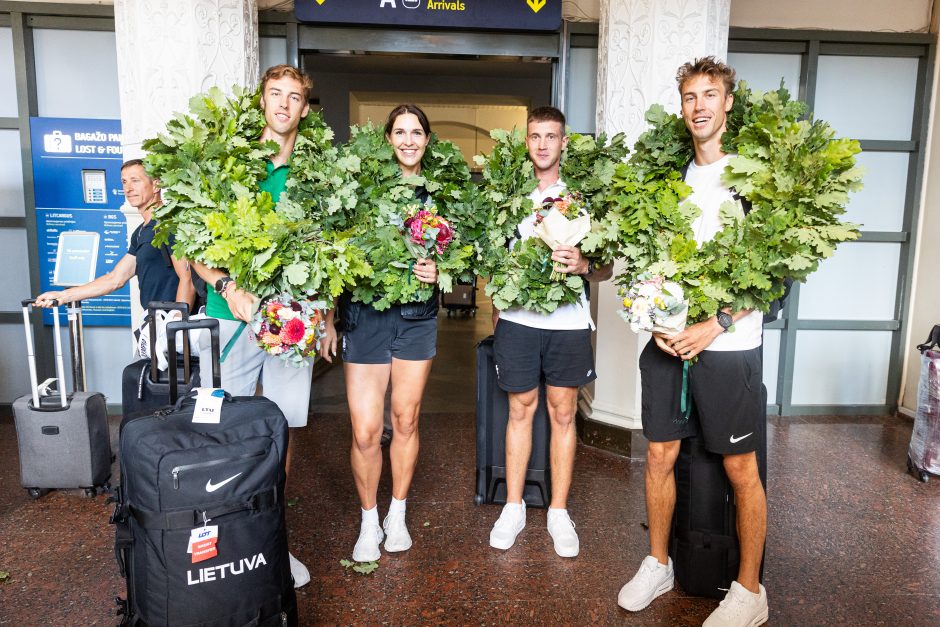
[(527, 15)]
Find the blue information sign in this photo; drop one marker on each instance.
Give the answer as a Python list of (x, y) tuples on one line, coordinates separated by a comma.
[(77, 180), (523, 15)]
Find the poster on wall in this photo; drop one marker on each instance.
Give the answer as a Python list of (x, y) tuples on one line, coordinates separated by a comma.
[(77, 183)]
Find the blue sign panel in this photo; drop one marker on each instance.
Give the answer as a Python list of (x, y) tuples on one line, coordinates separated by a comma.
[(524, 15), (77, 180)]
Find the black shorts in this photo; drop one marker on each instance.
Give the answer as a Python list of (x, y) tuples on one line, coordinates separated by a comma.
[(524, 355), (726, 398), (381, 335)]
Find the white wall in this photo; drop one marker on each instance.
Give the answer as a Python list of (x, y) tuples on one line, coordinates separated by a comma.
[(925, 297), (863, 15)]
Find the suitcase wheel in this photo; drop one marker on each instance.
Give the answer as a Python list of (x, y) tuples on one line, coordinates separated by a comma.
[(35, 493), (478, 500), (921, 475)]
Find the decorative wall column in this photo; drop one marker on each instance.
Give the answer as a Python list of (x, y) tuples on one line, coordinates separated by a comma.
[(169, 50), (641, 44)]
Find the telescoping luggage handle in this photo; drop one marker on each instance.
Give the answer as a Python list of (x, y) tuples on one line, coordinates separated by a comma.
[(933, 341), (190, 325), (152, 308), (31, 353)]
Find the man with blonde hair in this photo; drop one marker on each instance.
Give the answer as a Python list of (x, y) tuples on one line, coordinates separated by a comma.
[(725, 381), (285, 91)]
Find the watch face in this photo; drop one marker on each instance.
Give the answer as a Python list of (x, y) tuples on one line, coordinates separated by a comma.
[(725, 319)]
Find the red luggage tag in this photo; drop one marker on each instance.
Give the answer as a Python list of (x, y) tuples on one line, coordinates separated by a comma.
[(203, 542)]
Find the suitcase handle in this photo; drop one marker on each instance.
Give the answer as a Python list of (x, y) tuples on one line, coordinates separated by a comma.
[(190, 325), (933, 340), (152, 308), (31, 352)]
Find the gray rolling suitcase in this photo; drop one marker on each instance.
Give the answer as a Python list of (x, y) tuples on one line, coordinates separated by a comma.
[(63, 438)]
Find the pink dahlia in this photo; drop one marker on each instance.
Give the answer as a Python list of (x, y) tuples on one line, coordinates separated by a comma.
[(293, 331)]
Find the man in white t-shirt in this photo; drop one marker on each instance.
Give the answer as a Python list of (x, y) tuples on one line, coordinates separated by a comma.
[(531, 346), (725, 381)]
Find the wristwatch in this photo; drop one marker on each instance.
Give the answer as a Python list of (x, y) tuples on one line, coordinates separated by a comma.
[(724, 320), (221, 284), (592, 266)]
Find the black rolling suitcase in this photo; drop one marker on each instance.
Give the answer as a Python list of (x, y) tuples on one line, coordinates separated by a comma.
[(492, 416), (144, 387), (185, 482), (63, 439), (704, 540)]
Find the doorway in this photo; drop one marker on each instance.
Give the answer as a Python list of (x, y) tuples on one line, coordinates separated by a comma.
[(465, 98)]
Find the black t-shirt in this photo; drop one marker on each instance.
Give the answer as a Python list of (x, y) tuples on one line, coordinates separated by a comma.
[(155, 273)]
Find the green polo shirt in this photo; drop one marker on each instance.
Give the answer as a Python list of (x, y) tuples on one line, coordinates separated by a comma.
[(274, 184)]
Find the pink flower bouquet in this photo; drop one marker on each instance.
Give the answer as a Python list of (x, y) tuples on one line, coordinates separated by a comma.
[(426, 233), (289, 328)]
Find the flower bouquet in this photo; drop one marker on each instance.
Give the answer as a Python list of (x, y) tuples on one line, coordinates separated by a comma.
[(562, 221), (426, 233), (289, 328), (652, 303)]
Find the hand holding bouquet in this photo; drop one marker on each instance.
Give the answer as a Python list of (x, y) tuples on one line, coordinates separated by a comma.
[(289, 328), (426, 233), (562, 221), (652, 303)]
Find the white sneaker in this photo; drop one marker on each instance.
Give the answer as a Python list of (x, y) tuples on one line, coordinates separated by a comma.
[(652, 580), (397, 537), (739, 608), (299, 572), (511, 522), (367, 546), (561, 529)]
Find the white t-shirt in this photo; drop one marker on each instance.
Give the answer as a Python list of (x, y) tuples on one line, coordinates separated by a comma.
[(566, 317), (708, 194)]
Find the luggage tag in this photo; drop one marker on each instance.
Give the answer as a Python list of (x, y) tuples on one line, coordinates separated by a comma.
[(203, 542), (208, 408)]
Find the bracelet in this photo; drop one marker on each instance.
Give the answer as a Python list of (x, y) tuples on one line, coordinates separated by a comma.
[(228, 286)]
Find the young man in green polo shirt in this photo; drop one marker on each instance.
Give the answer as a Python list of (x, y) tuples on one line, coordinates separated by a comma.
[(285, 91)]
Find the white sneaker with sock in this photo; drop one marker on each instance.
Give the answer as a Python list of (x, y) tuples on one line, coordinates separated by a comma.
[(561, 529), (367, 546), (652, 580), (511, 522), (397, 537), (299, 572), (740, 608)]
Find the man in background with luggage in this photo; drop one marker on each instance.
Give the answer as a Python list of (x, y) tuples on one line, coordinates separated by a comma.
[(285, 91), (557, 346), (725, 381), (160, 276)]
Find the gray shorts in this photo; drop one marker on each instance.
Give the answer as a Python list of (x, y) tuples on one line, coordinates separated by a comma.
[(380, 336), (246, 363)]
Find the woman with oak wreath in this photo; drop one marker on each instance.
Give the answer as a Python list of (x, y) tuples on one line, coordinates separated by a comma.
[(397, 346)]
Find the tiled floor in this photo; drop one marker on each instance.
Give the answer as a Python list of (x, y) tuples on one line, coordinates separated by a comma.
[(853, 540)]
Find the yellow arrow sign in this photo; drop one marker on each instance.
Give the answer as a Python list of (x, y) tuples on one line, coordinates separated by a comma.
[(320, 1), (535, 5)]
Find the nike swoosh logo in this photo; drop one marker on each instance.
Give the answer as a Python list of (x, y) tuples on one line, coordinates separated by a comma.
[(212, 487), (735, 440)]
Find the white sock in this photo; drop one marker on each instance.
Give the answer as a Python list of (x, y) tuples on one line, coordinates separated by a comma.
[(555, 511), (397, 506), (371, 515), (517, 508)]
